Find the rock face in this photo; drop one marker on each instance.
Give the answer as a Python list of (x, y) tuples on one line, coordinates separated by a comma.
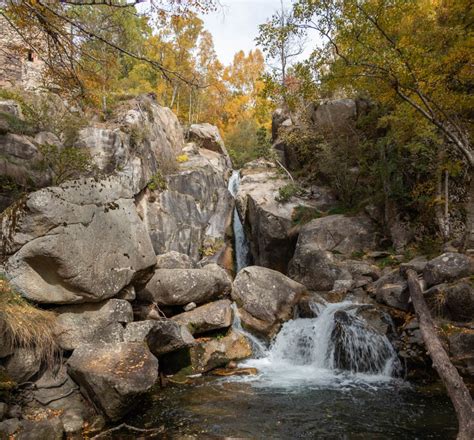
[(266, 298), (181, 286), (213, 353), (162, 337), (193, 210), (212, 316), (92, 323), (113, 376), (174, 260), (269, 223), (447, 267), (59, 236)]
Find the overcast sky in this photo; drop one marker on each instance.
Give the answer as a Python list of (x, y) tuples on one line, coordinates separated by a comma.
[(236, 26)]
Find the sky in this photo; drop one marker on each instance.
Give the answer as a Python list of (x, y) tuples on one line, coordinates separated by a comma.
[(235, 26)]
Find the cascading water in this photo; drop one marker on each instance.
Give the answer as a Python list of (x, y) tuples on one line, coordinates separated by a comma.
[(336, 348), (242, 248)]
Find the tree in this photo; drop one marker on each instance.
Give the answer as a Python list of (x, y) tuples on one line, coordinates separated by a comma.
[(280, 41), (416, 52), (59, 31), (457, 390)]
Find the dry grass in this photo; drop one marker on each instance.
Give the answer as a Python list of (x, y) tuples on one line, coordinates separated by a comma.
[(23, 325)]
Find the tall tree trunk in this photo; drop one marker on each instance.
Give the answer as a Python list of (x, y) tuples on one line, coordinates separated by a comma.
[(457, 390)]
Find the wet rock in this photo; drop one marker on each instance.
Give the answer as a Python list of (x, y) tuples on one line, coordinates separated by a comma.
[(174, 260), (310, 305), (461, 348), (162, 337), (268, 296), (61, 230), (182, 286), (316, 269), (212, 316), (454, 301), (92, 323), (114, 376), (23, 364), (447, 267), (217, 352)]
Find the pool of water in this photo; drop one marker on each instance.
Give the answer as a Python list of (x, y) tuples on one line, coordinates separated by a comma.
[(255, 409)]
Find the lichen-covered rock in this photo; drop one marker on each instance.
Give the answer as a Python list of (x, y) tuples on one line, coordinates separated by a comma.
[(174, 287), (217, 352), (447, 267), (162, 336), (267, 297), (212, 316), (113, 376), (92, 323), (58, 239)]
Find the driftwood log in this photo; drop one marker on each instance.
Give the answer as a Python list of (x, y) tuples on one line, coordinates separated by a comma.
[(456, 388)]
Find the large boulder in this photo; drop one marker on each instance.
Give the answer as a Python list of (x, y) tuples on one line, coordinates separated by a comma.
[(217, 352), (92, 323), (162, 336), (316, 269), (23, 364), (341, 234), (268, 221), (266, 298), (58, 237), (174, 260), (447, 267), (392, 290), (113, 376), (207, 136), (48, 429), (213, 316), (174, 287), (335, 115)]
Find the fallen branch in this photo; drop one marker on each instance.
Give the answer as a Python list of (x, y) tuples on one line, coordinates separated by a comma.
[(457, 390), (284, 169), (152, 431)]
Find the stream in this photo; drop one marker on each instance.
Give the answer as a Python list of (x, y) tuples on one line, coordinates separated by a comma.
[(313, 382)]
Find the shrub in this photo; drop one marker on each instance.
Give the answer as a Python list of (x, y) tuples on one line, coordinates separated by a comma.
[(182, 158), (23, 325), (157, 182), (285, 193), (304, 214), (65, 163), (12, 124)]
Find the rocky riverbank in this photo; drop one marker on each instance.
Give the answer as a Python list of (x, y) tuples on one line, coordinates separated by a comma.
[(135, 264)]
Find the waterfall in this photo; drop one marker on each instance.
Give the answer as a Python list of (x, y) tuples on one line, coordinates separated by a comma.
[(242, 248), (336, 347)]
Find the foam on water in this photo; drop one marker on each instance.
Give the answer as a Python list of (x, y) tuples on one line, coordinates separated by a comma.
[(307, 352)]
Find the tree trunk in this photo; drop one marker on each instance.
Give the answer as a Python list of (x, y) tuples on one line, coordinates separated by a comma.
[(457, 390)]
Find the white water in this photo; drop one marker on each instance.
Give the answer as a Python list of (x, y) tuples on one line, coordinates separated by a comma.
[(242, 248), (305, 353)]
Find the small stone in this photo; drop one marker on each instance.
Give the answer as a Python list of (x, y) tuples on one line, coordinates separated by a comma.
[(190, 306)]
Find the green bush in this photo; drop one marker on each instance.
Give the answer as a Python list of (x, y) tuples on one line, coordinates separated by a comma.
[(285, 193), (157, 182), (304, 214)]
